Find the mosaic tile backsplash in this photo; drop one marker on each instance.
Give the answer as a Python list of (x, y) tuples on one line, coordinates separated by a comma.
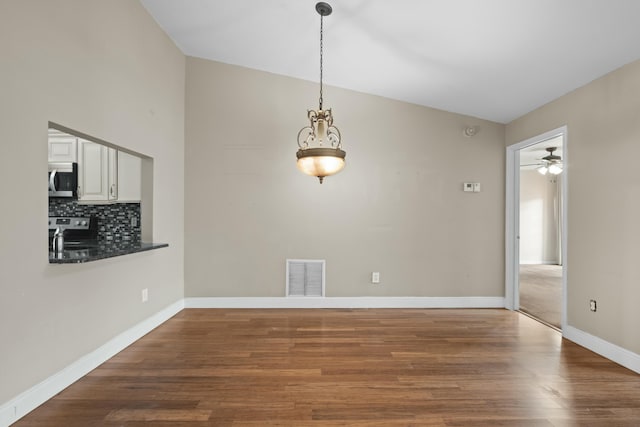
[(114, 221)]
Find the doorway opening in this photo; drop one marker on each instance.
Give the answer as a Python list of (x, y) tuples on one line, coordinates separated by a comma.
[(536, 227)]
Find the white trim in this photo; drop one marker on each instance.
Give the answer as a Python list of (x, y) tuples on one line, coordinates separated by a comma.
[(539, 262), (564, 235), (345, 302), (512, 223), (30, 399), (617, 354)]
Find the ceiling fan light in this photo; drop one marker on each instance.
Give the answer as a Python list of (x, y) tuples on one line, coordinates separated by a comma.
[(555, 168), (542, 170)]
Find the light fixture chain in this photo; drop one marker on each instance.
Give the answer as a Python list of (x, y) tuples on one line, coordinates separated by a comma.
[(321, 32)]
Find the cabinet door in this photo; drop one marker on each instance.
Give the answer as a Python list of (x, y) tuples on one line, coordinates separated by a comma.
[(113, 173), (62, 149), (129, 177), (93, 171)]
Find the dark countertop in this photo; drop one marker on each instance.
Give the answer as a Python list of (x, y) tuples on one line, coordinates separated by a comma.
[(101, 251)]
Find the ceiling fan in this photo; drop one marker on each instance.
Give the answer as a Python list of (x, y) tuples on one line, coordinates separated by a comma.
[(550, 163)]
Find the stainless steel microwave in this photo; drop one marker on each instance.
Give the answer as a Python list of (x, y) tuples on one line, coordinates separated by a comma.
[(63, 180)]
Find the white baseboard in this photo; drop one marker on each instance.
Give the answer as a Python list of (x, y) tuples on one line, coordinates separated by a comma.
[(621, 356), (345, 302), (538, 262), (27, 401)]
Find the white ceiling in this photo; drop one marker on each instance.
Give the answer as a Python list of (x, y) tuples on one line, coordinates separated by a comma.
[(492, 59)]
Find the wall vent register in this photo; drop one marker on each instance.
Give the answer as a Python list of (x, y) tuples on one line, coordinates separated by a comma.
[(305, 278)]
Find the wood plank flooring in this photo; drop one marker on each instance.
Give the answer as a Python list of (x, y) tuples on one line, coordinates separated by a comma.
[(376, 367), (541, 292)]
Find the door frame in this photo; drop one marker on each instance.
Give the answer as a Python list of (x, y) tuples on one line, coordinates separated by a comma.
[(512, 218)]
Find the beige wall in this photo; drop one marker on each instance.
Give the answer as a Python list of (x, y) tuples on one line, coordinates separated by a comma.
[(397, 208), (105, 69), (539, 218), (603, 200)]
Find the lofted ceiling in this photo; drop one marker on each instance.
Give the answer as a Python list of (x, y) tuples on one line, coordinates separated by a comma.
[(491, 59)]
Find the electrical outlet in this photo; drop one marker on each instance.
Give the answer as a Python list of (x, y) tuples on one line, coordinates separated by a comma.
[(375, 277), (593, 305), (145, 295), (472, 187)]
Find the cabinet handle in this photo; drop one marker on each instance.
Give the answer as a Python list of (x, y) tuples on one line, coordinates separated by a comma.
[(52, 180), (113, 190)]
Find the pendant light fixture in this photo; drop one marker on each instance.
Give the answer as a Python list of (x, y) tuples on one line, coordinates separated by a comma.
[(320, 151), (552, 163)]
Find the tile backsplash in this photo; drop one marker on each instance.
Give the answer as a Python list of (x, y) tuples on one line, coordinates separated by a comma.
[(114, 220)]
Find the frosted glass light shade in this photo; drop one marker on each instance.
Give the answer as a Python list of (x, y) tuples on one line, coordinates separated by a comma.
[(555, 168), (321, 162)]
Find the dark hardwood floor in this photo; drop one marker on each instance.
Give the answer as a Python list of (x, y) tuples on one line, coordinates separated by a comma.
[(376, 367)]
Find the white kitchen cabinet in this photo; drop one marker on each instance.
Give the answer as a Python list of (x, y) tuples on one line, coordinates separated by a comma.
[(113, 174), (129, 177), (97, 172), (62, 148)]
